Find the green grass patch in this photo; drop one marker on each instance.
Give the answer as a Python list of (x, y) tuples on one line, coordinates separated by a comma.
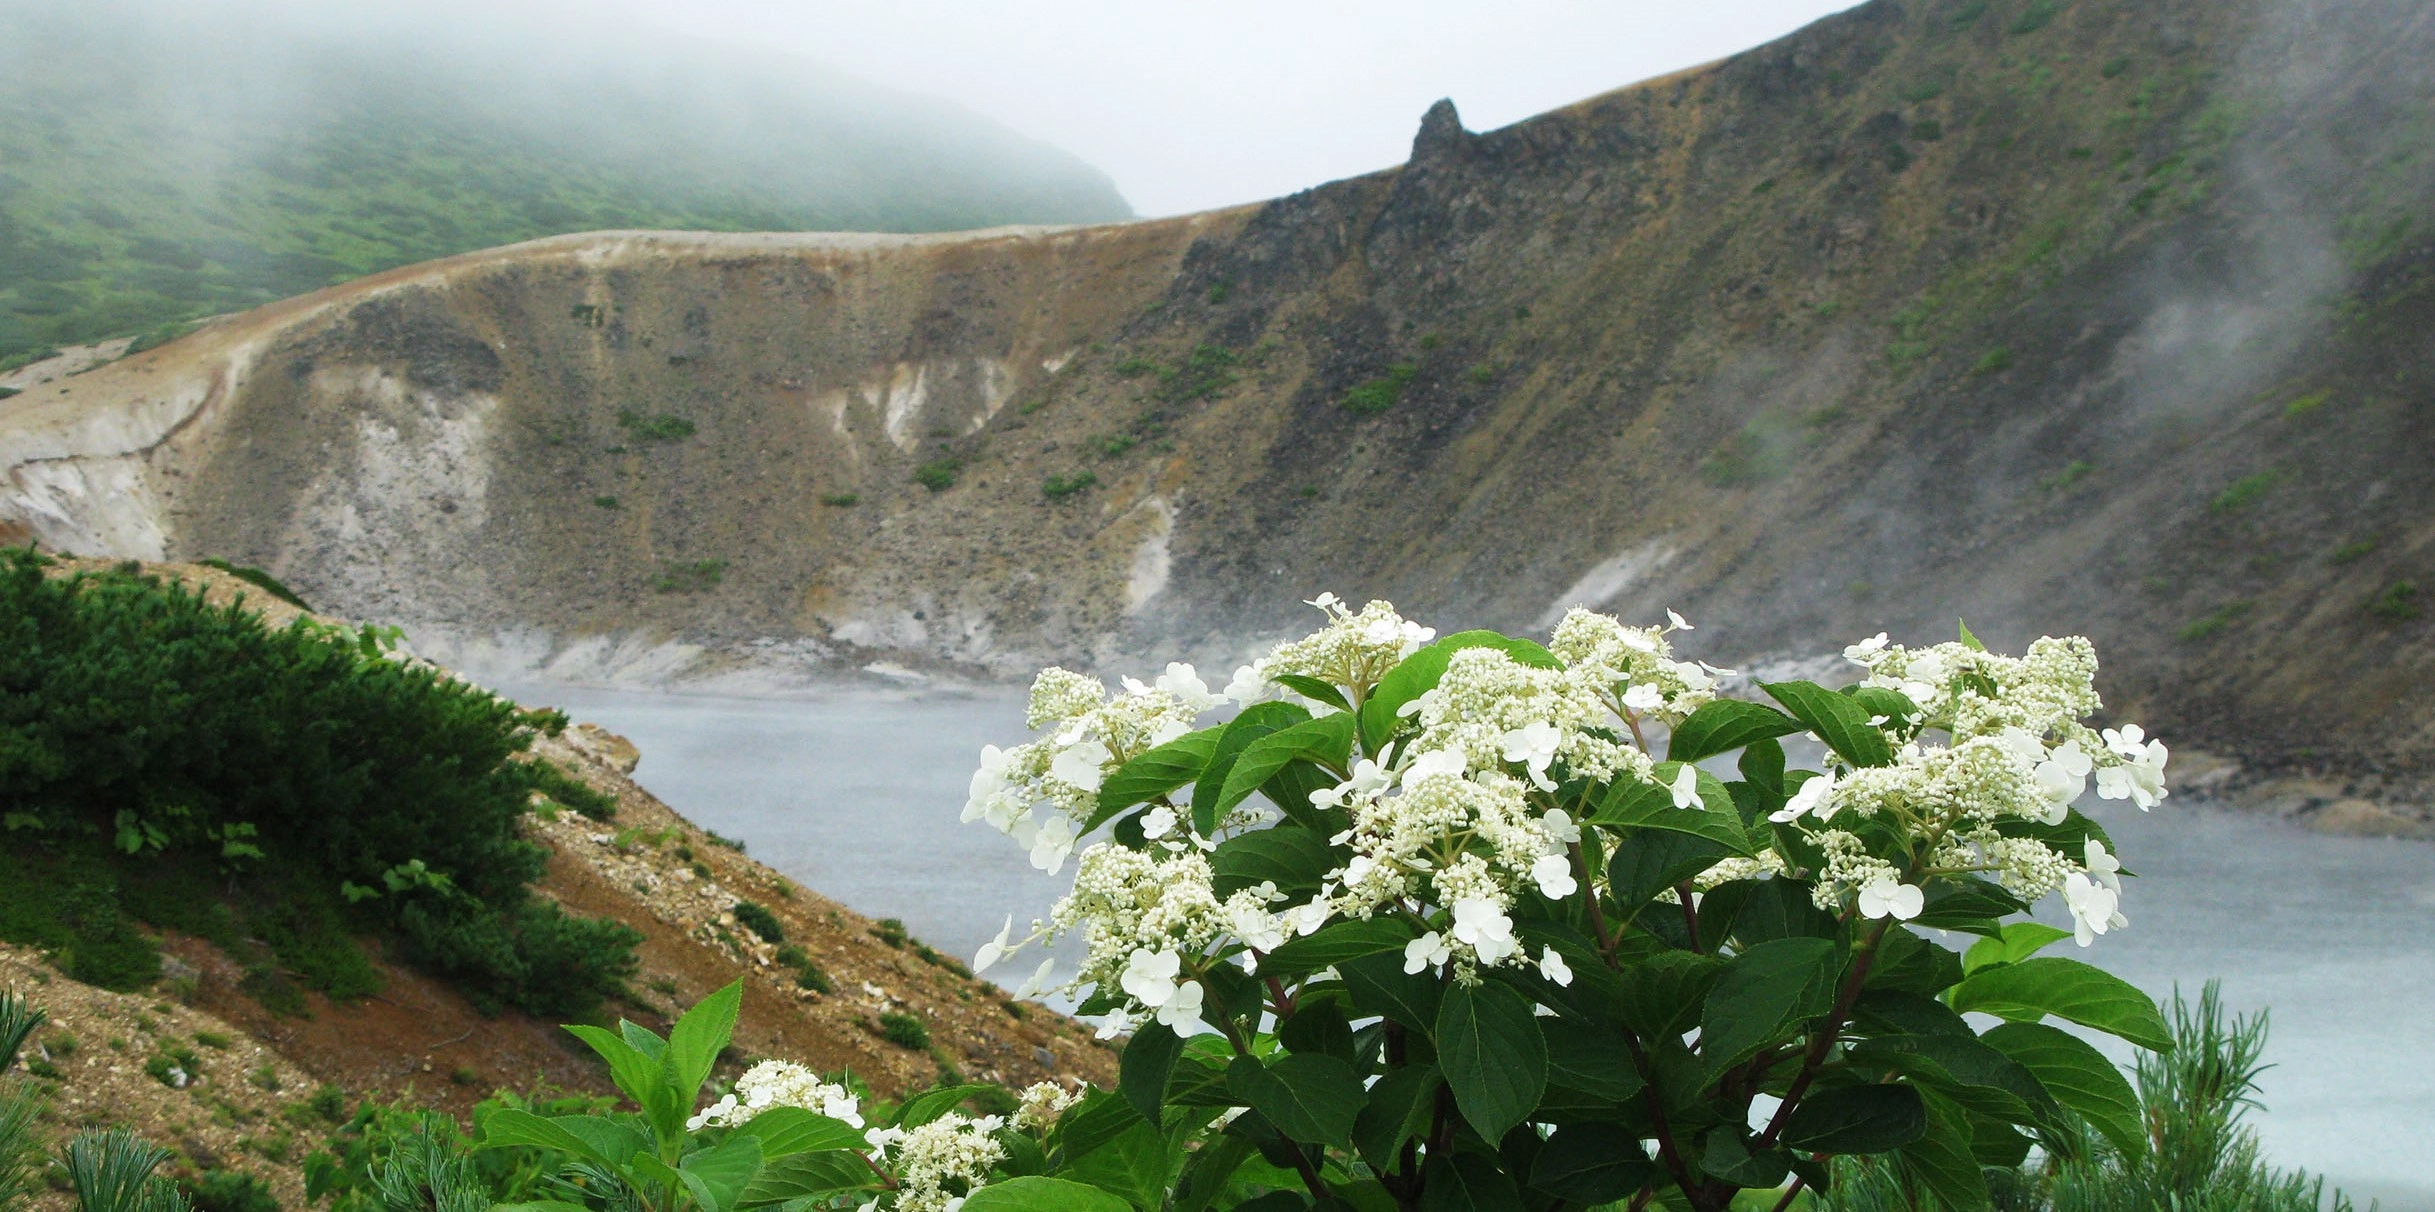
[(2244, 492), (605, 503), (1115, 444), (2215, 620), (1382, 393), (2306, 404), (27, 357), (1744, 459), (692, 576), (2395, 603), (2072, 473), (890, 931), (1059, 487), (841, 500), (1994, 361), (1204, 374), (158, 335), (939, 475), (2352, 550), (660, 427), (2035, 16), (257, 578)]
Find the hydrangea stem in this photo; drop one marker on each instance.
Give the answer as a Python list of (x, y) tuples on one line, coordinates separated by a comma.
[(1864, 956)]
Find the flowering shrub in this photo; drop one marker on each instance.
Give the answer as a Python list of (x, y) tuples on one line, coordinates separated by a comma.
[(783, 1135), (1476, 923)]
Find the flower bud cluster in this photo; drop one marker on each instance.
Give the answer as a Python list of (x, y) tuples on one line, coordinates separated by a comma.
[(1492, 709), (1041, 1103), (1356, 648), (941, 1163), (1142, 914), (775, 1083), (2016, 751), (1632, 667)]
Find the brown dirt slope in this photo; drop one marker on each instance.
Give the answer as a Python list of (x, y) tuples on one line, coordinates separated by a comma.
[(2104, 316)]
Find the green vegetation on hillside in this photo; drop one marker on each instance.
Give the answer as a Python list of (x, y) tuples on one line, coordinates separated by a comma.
[(169, 763), (144, 184)]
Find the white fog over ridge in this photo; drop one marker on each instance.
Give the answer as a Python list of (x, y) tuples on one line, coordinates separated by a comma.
[(1191, 107), (857, 794)]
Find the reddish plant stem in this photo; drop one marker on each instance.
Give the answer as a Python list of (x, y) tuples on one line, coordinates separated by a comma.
[(1824, 1040), (1581, 872), (1666, 1151), (1683, 893), (1790, 1193)]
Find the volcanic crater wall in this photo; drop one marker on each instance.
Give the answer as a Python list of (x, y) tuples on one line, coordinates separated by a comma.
[(2105, 317)]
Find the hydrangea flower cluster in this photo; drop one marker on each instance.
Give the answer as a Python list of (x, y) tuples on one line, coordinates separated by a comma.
[(938, 1165), (1633, 668), (1041, 1103), (1356, 648), (1042, 794), (775, 1083), (1471, 799), (2015, 750), (1142, 914)]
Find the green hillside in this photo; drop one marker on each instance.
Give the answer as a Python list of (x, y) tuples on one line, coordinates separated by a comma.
[(154, 168)]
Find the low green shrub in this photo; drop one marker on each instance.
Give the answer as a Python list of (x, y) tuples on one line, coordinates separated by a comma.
[(939, 475), (2243, 492), (24, 358), (155, 337), (257, 578), (166, 760), (890, 931), (2215, 620), (905, 1031), (229, 1191), (570, 791), (696, 576), (1060, 487), (656, 427), (760, 921), (841, 500), (2395, 603)]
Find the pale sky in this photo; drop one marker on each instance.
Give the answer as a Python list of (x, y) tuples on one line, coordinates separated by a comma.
[(1194, 105)]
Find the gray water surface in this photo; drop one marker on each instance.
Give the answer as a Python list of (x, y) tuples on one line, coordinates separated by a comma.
[(856, 795)]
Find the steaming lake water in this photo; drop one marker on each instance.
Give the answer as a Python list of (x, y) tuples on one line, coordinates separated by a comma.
[(856, 795)]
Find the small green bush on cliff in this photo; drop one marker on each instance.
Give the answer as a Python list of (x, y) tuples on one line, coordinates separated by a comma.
[(168, 761)]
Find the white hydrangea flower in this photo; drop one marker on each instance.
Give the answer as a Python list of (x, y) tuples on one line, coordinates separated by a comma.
[(1553, 967), (774, 1083), (2094, 907), (941, 1163), (1553, 873), (1886, 897)]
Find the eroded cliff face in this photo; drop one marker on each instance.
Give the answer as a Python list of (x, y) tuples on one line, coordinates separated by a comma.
[(2104, 318)]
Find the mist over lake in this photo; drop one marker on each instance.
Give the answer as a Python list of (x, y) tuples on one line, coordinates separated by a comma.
[(857, 795)]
